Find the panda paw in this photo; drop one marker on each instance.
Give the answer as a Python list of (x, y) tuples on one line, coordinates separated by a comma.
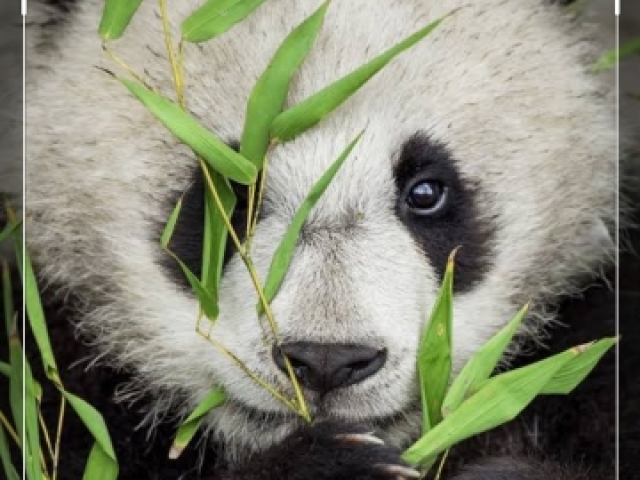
[(328, 451)]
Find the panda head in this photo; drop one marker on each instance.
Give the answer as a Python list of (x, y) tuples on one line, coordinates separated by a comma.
[(488, 135)]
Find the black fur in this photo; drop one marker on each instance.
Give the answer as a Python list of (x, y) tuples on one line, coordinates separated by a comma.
[(457, 224), (319, 453)]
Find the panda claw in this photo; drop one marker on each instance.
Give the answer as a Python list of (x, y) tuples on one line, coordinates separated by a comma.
[(359, 438), (399, 472)]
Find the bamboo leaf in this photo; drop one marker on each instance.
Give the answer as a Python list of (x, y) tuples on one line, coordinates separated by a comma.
[(99, 465), (170, 227), (283, 254), (270, 92), (216, 17), (95, 424), (215, 231), (92, 420), (610, 59), (17, 243), (481, 365), (207, 301), (31, 407), (499, 400), (309, 112), (37, 322), (24, 406), (9, 230), (7, 298), (215, 152), (575, 371), (9, 470), (116, 17), (434, 352), (190, 426)]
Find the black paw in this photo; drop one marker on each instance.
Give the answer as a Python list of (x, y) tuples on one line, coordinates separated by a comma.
[(328, 451)]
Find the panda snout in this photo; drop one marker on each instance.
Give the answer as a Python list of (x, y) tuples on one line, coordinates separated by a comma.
[(323, 367)]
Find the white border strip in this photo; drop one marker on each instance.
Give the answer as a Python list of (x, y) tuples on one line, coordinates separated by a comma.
[(24, 203), (617, 259)]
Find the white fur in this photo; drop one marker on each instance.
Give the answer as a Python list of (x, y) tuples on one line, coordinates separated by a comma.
[(503, 83)]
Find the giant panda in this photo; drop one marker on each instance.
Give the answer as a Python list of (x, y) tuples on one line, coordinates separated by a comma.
[(490, 135)]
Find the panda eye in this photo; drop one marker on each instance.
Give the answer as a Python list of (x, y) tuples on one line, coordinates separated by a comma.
[(427, 197)]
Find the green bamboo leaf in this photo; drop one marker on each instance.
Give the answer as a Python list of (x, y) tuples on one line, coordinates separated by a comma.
[(216, 17), (5, 369), (434, 352), (309, 112), (7, 298), (215, 152), (190, 426), (5, 457), (270, 92), (37, 322), (98, 429), (9, 230), (16, 399), (610, 59), (481, 365), (116, 17), (18, 247), (90, 417), (170, 227), (575, 371), (99, 465), (32, 425), (282, 256), (499, 400), (208, 302), (215, 231), (24, 406)]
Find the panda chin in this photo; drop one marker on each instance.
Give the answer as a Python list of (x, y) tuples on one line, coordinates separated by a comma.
[(397, 426), (336, 406)]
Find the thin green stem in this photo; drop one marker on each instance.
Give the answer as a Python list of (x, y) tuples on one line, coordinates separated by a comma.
[(302, 410), (442, 462), (45, 434), (254, 221), (246, 370), (118, 61), (250, 215), (176, 68), (56, 455), (5, 422), (216, 198)]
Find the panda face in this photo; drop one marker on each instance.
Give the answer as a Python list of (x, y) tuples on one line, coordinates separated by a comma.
[(488, 135)]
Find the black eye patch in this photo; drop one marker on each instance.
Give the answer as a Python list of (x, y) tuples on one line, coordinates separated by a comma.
[(438, 207)]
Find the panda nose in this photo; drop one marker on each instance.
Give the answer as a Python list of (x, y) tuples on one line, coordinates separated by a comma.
[(326, 366)]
